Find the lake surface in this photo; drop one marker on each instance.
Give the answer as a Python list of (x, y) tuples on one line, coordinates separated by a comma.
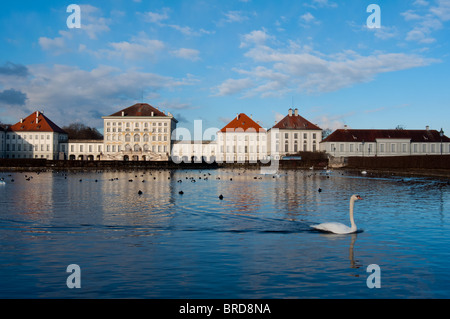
[(255, 243)]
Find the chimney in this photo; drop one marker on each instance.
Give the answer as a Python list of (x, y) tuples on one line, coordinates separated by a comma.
[(152, 114), (123, 113), (290, 112), (276, 122), (427, 127), (21, 120), (251, 116), (237, 116), (37, 116), (296, 112), (345, 126)]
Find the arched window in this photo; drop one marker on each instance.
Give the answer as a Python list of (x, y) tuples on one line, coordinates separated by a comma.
[(127, 148), (137, 148), (146, 147), (137, 138), (146, 138), (127, 138)]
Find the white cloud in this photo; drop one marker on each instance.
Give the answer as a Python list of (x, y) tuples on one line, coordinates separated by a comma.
[(301, 69), (71, 94), (155, 17), (141, 49), (92, 21), (235, 16), (307, 17), (188, 54), (427, 20), (256, 37), (232, 86), (158, 18), (442, 10)]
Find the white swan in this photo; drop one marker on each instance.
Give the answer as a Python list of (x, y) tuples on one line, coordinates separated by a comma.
[(338, 228)]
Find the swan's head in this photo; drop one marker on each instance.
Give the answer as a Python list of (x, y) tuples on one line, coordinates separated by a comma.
[(356, 197)]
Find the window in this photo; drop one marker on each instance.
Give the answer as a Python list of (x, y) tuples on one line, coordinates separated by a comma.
[(404, 148), (286, 147), (48, 148), (392, 148), (137, 138), (146, 137), (286, 135), (81, 148), (127, 138), (351, 148), (314, 136), (90, 148), (341, 148), (424, 148), (381, 148), (433, 148), (72, 148), (415, 148)]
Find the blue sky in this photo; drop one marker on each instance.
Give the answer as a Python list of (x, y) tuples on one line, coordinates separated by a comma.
[(208, 60)]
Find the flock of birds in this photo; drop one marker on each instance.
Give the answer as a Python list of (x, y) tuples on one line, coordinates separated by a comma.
[(330, 227)]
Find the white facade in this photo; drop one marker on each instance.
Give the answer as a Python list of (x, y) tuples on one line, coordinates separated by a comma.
[(295, 134), (129, 136), (194, 151), (248, 146), (420, 142), (2, 143), (90, 150), (35, 137), (47, 145)]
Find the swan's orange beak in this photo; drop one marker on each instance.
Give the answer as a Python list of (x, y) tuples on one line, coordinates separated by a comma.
[(359, 197)]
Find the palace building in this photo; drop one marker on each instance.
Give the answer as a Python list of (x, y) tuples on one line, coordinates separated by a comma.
[(296, 134), (142, 132), (398, 142), (35, 136), (139, 132)]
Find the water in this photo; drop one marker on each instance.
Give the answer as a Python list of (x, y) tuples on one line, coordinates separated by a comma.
[(255, 243)]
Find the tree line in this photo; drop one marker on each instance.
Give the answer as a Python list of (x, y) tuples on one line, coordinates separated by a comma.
[(79, 131)]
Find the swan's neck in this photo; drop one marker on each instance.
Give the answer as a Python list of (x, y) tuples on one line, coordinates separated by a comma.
[(352, 221)]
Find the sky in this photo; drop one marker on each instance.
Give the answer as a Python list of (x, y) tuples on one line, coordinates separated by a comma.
[(211, 59)]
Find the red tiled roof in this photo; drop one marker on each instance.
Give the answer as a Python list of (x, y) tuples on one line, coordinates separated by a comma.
[(43, 124), (139, 109), (370, 135), (295, 122), (242, 123)]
